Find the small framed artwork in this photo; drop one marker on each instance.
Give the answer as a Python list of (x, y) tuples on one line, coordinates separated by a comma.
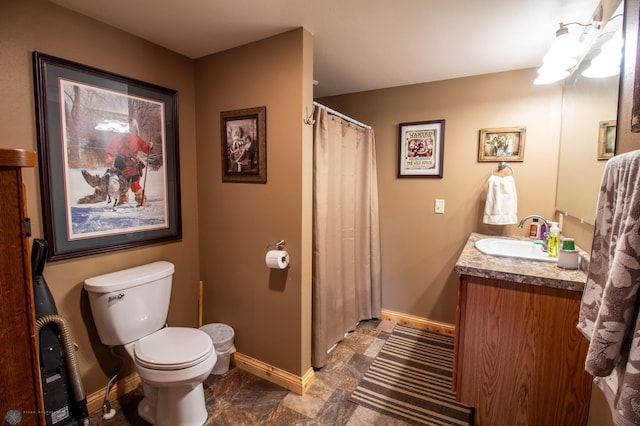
[(607, 139), (244, 145), (502, 144), (421, 149), (108, 158)]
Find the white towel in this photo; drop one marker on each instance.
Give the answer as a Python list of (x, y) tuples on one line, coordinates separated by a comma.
[(501, 207)]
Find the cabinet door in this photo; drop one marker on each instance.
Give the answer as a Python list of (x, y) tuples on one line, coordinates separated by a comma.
[(521, 359), (20, 387)]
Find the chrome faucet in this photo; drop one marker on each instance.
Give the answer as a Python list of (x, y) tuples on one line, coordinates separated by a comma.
[(545, 237)]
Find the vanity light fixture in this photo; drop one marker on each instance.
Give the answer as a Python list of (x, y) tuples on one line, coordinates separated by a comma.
[(561, 57), (567, 51), (607, 63)]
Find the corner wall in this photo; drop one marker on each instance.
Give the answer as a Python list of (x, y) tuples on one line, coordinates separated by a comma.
[(267, 308)]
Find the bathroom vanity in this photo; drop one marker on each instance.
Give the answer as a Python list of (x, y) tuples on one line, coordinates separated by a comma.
[(519, 358)]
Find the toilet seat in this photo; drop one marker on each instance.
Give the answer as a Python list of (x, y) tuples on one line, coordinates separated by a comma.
[(173, 348)]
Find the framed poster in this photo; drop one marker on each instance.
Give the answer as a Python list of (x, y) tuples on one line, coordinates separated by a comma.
[(108, 159), (244, 145), (421, 149)]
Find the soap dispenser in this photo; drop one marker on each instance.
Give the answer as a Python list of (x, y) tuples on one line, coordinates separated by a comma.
[(554, 239), (534, 229)]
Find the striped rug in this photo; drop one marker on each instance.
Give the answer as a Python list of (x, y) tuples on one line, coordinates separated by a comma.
[(410, 380)]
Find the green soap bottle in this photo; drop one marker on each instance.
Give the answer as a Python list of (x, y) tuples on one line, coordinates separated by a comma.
[(554, 239)]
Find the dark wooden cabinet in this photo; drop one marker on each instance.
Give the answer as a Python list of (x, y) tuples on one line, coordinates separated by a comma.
[(519, 358), (20, 386)]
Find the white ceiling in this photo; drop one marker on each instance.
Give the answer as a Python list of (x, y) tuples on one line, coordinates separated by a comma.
[(358, 44)]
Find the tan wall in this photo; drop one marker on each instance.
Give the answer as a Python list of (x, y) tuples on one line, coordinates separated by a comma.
[(267, 308), (420, 248), (38, 25)]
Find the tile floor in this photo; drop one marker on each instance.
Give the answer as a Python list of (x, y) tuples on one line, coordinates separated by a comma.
[(239, 398)]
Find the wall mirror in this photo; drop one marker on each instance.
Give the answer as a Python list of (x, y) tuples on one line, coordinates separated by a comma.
[(587, 138)]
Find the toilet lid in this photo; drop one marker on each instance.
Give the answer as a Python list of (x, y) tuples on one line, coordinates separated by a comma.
[(173, 348)]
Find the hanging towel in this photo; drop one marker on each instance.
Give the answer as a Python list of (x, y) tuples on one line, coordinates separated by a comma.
[(501, 207), (610, 300)]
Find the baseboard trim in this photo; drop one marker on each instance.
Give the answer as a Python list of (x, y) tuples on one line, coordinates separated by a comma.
[(291, 382), (95, 401), (419, 322)]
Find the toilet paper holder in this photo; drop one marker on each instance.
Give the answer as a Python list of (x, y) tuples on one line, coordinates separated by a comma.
[(279, 245)]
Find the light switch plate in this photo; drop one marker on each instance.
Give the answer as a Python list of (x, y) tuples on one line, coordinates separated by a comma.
[(439, 207)]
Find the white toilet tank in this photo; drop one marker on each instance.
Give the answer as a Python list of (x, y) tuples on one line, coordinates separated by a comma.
[(132, 303)]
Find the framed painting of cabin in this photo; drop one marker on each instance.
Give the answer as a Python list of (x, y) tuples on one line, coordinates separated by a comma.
[(502, 144), (606, 139), (108, 159)]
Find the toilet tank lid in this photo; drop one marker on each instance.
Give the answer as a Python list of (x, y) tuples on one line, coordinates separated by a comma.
[(127, 278)]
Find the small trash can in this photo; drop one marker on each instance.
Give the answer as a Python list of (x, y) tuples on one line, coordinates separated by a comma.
[(222, 338)]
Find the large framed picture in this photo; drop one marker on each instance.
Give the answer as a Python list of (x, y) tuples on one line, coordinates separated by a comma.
[(421, 149), (244, 145), (108, 159), (502, 144)]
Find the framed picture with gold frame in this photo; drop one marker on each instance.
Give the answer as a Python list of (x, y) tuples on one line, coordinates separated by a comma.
[(502, 144), (606, 139)]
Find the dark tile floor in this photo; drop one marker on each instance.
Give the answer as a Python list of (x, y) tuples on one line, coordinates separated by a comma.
[(240, 398)]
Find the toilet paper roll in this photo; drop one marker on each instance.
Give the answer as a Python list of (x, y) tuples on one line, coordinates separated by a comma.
[(277, 259)]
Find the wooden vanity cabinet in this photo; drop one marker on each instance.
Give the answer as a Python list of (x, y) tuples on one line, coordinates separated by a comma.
[(20, 386), (519, 358)]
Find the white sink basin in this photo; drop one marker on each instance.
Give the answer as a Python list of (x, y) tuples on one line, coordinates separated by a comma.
[(513, 248)]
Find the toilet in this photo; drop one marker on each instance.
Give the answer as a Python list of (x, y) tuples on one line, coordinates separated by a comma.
[(130, 308)]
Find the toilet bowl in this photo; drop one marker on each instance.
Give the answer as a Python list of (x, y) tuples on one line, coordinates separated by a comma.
[(172, 363), (130, 309)]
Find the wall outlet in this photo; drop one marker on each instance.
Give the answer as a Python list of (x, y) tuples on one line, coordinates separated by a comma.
[(439, 207)]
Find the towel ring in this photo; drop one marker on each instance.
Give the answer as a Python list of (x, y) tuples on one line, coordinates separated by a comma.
[(502, 165)]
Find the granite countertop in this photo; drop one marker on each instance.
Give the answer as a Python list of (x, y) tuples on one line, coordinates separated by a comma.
[(475, 263)]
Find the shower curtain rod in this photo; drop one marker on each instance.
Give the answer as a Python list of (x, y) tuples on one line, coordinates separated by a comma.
[(344, 117)]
